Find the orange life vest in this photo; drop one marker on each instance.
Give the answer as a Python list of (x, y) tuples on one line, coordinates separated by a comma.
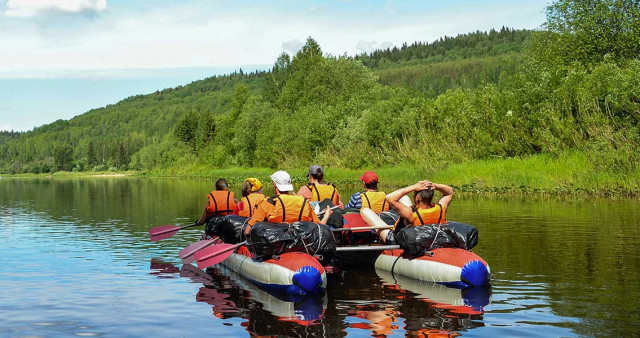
[(374, 200), (321, 191), (288, 209), (433, 215), (220, 203), (248, 203)]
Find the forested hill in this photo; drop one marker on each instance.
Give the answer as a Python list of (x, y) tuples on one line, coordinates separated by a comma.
[(472, 45), (464, 61), (570, 88), (108, 137)]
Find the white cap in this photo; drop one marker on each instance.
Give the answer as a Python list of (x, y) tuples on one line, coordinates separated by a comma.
[(282, 181)]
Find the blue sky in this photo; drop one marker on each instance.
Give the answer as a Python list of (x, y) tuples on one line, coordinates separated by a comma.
[(60, 58)]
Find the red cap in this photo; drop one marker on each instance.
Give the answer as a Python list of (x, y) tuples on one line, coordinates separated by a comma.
[(369, 176)]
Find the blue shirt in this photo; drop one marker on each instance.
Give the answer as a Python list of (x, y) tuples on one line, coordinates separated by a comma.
[(355, 201)]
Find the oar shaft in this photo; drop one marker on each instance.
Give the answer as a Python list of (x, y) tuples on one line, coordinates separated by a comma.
[(231, 248), (174, 229), (368, 248), (362, 228), (332, 208)]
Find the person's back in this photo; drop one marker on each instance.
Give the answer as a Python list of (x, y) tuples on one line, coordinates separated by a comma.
[(423, 212), (251, 197), (289, 209), (433, 214), (369, 198), (249, 204), (220, 202), (317, 190), (320, 192), (284, 207), (374, 200)]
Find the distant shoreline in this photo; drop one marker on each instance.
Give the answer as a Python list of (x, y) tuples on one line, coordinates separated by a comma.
[(78, 174)]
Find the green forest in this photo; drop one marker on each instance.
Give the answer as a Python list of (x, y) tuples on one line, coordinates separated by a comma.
[(554, 107)]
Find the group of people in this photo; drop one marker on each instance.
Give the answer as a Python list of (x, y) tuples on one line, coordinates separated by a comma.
[(287, 207)]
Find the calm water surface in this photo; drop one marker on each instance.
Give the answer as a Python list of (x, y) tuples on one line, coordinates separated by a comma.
[(76, 261)]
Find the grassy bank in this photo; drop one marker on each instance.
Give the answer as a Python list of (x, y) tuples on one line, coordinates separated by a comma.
[(568, 174)]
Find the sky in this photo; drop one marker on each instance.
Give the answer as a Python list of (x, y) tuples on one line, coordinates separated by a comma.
[(61, 58)]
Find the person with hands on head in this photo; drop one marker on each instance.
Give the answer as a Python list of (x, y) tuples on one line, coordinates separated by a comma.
[(284, 207), (423, 212)]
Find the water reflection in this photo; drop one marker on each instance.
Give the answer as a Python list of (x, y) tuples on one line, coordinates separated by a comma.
[(232, 295), (469, 301), (398, 304)]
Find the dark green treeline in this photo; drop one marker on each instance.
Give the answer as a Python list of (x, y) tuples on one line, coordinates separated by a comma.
[(571, 86)]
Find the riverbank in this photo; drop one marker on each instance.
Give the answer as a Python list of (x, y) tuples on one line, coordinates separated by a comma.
[(71, 174), (569, 174)]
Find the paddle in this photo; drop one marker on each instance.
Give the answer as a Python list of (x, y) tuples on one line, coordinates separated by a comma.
[(166, 231), (368, 248), (332, 208), (187, 254), (362, 228), (375, 248), (215, 254)]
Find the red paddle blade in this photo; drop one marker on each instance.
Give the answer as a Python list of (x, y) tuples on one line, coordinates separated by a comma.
[(162, 232), (214, 254), (187, 254), (355, 221)]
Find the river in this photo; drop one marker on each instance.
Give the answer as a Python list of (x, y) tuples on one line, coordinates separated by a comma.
[(77, 261)]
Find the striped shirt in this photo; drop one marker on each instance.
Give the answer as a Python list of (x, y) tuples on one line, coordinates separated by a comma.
[(355, 201)]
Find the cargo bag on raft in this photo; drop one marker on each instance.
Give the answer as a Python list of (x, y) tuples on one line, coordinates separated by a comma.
[(465, 235), (269, 239), (229, 228), (417, 240)]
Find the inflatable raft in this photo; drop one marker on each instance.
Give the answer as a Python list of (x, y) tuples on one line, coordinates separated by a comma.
[(292, 273), (451, 267)]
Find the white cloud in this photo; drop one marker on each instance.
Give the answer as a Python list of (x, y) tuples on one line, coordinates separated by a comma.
[(5, 127), (292, 46), (370, 46), (29, 8), (386, 44), (214, 34)]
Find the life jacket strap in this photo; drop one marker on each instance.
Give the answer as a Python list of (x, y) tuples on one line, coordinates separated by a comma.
[(304, 203), (284, 211), (417, 212), (215, 204), (364, 193)]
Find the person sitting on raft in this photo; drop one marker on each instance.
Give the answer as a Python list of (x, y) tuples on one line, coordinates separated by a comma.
[(369, 198), (251, 196), (284, 207), (317, 190), (424, 212), (220, 202)]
